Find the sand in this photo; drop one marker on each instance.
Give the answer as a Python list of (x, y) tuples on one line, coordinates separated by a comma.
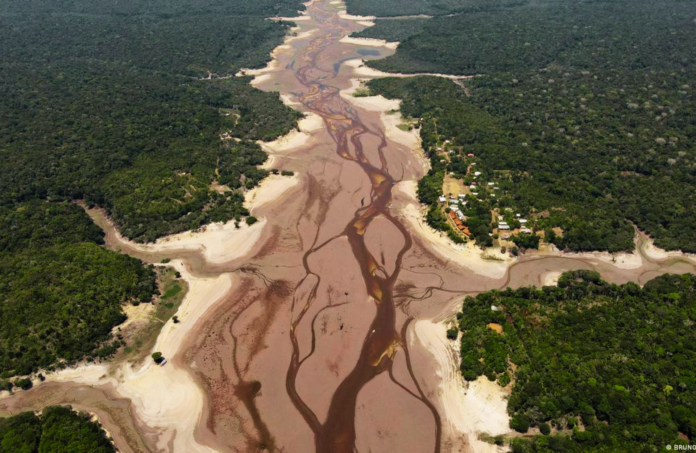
[(369, 41), (619, 260), (650, 250), (218, 242), (165, 398), (361, 70), (467, 255), (269, 191), (551, 278), (344, 15), (136, 314), (390, 116), (225, 387), (293, 19), (467, 409), (297, 138)]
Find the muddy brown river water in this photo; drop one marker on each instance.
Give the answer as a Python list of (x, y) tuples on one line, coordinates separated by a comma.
[(311, 349)]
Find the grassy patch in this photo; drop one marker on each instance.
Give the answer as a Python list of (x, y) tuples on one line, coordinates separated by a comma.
[(361, 93), (141, 337)]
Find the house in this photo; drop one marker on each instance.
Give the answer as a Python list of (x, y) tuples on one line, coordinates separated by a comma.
[(442, 199), (523, 221), (462, 195), (525, 230), (477, 173), (491, 183), (470, 155), (452, 215), (503, 227)]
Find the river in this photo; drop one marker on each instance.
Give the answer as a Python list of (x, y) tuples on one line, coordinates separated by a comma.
[(300, 335)]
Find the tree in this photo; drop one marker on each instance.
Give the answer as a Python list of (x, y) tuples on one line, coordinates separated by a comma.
[(157, 357), (520, 423), (24, 383)]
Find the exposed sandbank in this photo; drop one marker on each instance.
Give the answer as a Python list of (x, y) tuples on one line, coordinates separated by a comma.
[(297, 138), (551, 278), (346, 16), (165, 398), (269, 191), (468, 409), (468, 255), (647, 246), (370, 41), (362, 70), (218, 242)]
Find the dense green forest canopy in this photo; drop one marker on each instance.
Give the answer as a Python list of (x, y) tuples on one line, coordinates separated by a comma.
[(57, 430), (583, 111), (396, 8), (102, 102), (133, 106), (609, 367), (61, 293), (394, 30), (581, 35)]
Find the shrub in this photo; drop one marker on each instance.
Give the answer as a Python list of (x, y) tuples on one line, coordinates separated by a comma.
[(157, 357), (24, 384), (452, 333), (520, 423)]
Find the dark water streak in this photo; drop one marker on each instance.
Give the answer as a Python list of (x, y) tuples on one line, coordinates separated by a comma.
[(337, 433)]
